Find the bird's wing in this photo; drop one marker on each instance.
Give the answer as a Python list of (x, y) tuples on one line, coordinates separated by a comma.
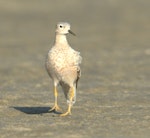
[(78, 76)]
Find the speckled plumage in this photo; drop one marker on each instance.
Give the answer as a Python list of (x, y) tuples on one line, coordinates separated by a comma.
[(62, 65), (63, 60)]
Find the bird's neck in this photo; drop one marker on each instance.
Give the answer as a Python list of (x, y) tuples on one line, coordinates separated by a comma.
[(61, 39)]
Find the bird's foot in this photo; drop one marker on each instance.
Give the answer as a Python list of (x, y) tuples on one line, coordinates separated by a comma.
[(55, 108), (65, 114)]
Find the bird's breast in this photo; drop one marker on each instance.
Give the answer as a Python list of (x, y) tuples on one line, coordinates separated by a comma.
[(61, 58)]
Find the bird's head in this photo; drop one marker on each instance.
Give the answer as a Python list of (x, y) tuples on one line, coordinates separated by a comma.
[(63, 28)]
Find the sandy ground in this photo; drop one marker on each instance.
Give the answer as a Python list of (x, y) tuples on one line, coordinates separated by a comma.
[(113, 98)]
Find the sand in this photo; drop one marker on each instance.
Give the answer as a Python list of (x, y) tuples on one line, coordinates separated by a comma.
[(113, 99)]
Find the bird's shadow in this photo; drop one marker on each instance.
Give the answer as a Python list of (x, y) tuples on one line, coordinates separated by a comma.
[(35, 110)]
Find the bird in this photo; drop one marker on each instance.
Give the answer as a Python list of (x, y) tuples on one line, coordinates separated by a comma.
[(63, 67)]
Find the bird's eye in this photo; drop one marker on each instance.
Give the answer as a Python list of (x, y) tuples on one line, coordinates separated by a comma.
[(60, 26)]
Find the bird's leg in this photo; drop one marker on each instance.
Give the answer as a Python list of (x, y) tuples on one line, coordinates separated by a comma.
[(68, 111), (71, 96), (55, 107)]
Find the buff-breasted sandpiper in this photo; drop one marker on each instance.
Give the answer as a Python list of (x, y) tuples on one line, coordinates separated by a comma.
[(62, 65)]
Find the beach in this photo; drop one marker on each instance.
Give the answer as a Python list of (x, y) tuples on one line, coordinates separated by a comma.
[(113, 96)]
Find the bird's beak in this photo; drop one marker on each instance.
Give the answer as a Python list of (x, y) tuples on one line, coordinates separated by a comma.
[(72, 33)]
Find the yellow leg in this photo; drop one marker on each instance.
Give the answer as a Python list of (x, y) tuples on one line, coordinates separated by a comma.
[(68, 111), (71, 95), (55, 107)]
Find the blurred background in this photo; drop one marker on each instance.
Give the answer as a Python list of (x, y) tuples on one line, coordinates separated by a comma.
[(113, 37)]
